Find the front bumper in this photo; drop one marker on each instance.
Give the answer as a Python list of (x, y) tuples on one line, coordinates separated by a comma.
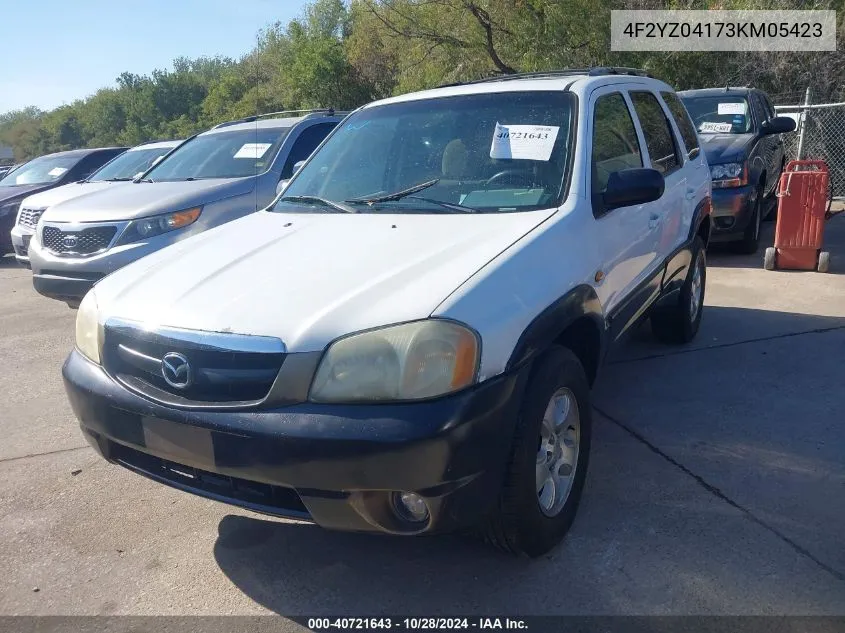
[(731, 212), (68, 278), (333, 464)]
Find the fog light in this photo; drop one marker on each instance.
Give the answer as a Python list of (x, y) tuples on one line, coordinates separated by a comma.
[(410, 506)]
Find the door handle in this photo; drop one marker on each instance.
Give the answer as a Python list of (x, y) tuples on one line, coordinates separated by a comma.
[(690, 194), (653, 221)]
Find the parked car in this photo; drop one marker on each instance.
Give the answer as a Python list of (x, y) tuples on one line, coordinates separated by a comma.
[(229, 171), (404, 341), (119, 170), (741, 137), (40, 174)]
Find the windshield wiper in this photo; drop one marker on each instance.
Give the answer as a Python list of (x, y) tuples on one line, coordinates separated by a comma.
[(113, 180), (446, 205), (143, 180), (317, 200), (397, 195)]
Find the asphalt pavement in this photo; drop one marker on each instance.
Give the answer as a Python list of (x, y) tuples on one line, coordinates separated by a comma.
[(716, 486)]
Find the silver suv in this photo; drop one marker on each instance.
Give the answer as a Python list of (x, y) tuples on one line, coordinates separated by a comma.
[(227, 172)]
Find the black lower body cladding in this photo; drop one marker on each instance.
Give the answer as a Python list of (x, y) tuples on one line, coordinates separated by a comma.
[(337, 465)]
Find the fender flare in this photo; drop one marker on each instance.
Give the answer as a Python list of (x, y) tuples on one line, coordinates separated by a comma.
[(703, 210), (579, 302)]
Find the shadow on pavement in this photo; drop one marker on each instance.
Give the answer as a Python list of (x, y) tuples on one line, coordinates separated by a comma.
[(648, 539), (724, 326)]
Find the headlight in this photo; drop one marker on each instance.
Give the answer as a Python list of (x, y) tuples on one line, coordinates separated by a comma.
[(88, 328), (413, 361), (729, 175), (145, 228)]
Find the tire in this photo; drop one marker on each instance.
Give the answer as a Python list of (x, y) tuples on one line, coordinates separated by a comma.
[(678, 322), (770, 258), (824, 262), (750, 241), (529, 519)]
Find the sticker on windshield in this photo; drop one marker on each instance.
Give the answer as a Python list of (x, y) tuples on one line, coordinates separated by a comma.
[(523, 142), (715, 127), (56, 171), (252, 150), (731, 108)]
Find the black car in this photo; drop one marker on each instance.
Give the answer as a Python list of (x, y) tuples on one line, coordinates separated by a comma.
[(741, 138), (40, 174)]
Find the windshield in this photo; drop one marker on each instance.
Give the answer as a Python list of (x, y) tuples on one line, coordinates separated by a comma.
[(494, 152), (39, 171), (230, 154), (721, 114), (129, 164)]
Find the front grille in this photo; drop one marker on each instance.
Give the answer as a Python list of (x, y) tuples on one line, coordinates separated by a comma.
[(29, 217), (214, 373), (85, 242), (277, 500)]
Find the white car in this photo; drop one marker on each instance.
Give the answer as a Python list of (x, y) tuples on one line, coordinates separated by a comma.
[(121, 169), (404, 341)]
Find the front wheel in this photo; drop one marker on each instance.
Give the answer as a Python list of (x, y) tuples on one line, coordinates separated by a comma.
[(678, 322), (548, 465)]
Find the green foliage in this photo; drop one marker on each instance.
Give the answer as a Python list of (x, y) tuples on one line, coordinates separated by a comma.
[(343, 53)]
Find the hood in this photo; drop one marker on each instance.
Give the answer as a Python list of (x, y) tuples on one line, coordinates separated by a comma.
[(141, 199), (308, 279), (52, 197), (19, 191), (726, 148)]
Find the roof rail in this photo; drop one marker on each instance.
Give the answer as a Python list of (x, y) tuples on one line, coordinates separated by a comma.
[(266, 115), (563, 72), (618, 70)]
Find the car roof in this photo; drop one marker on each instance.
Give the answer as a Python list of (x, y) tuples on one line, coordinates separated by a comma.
[(742, 91), (156, 145), (81, 153), (259, 124), (578, 79)]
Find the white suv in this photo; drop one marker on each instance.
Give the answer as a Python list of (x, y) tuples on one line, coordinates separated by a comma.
[(404, 341)]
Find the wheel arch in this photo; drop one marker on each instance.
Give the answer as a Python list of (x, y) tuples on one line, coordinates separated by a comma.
[(702, 223), (575, 321)]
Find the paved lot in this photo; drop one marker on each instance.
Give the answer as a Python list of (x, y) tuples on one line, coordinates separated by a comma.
[(717, 486)]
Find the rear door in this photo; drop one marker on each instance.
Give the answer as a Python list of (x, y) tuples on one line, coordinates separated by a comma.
[(696, 170), (664, 155), (625, 235)]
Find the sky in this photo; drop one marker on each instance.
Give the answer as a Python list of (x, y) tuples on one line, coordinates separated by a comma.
[(56, 51)]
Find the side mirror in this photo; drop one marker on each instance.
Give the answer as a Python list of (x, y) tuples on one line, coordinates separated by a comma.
[(778, 125), (282, 186), (629, 187)]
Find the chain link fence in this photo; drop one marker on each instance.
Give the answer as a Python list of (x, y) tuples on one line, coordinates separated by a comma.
[(820, 135)]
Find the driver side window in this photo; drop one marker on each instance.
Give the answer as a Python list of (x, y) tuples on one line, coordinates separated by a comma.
[(615, 144)]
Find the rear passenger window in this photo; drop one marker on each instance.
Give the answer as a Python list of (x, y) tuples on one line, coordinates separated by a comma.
[(682, 120), (657, 132), (615, 145)]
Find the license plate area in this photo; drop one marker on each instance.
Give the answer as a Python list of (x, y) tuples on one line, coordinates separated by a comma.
[(180, 443)]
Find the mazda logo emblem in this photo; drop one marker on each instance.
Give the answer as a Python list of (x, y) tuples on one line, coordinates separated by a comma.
[(176, 370), (70, 241)]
